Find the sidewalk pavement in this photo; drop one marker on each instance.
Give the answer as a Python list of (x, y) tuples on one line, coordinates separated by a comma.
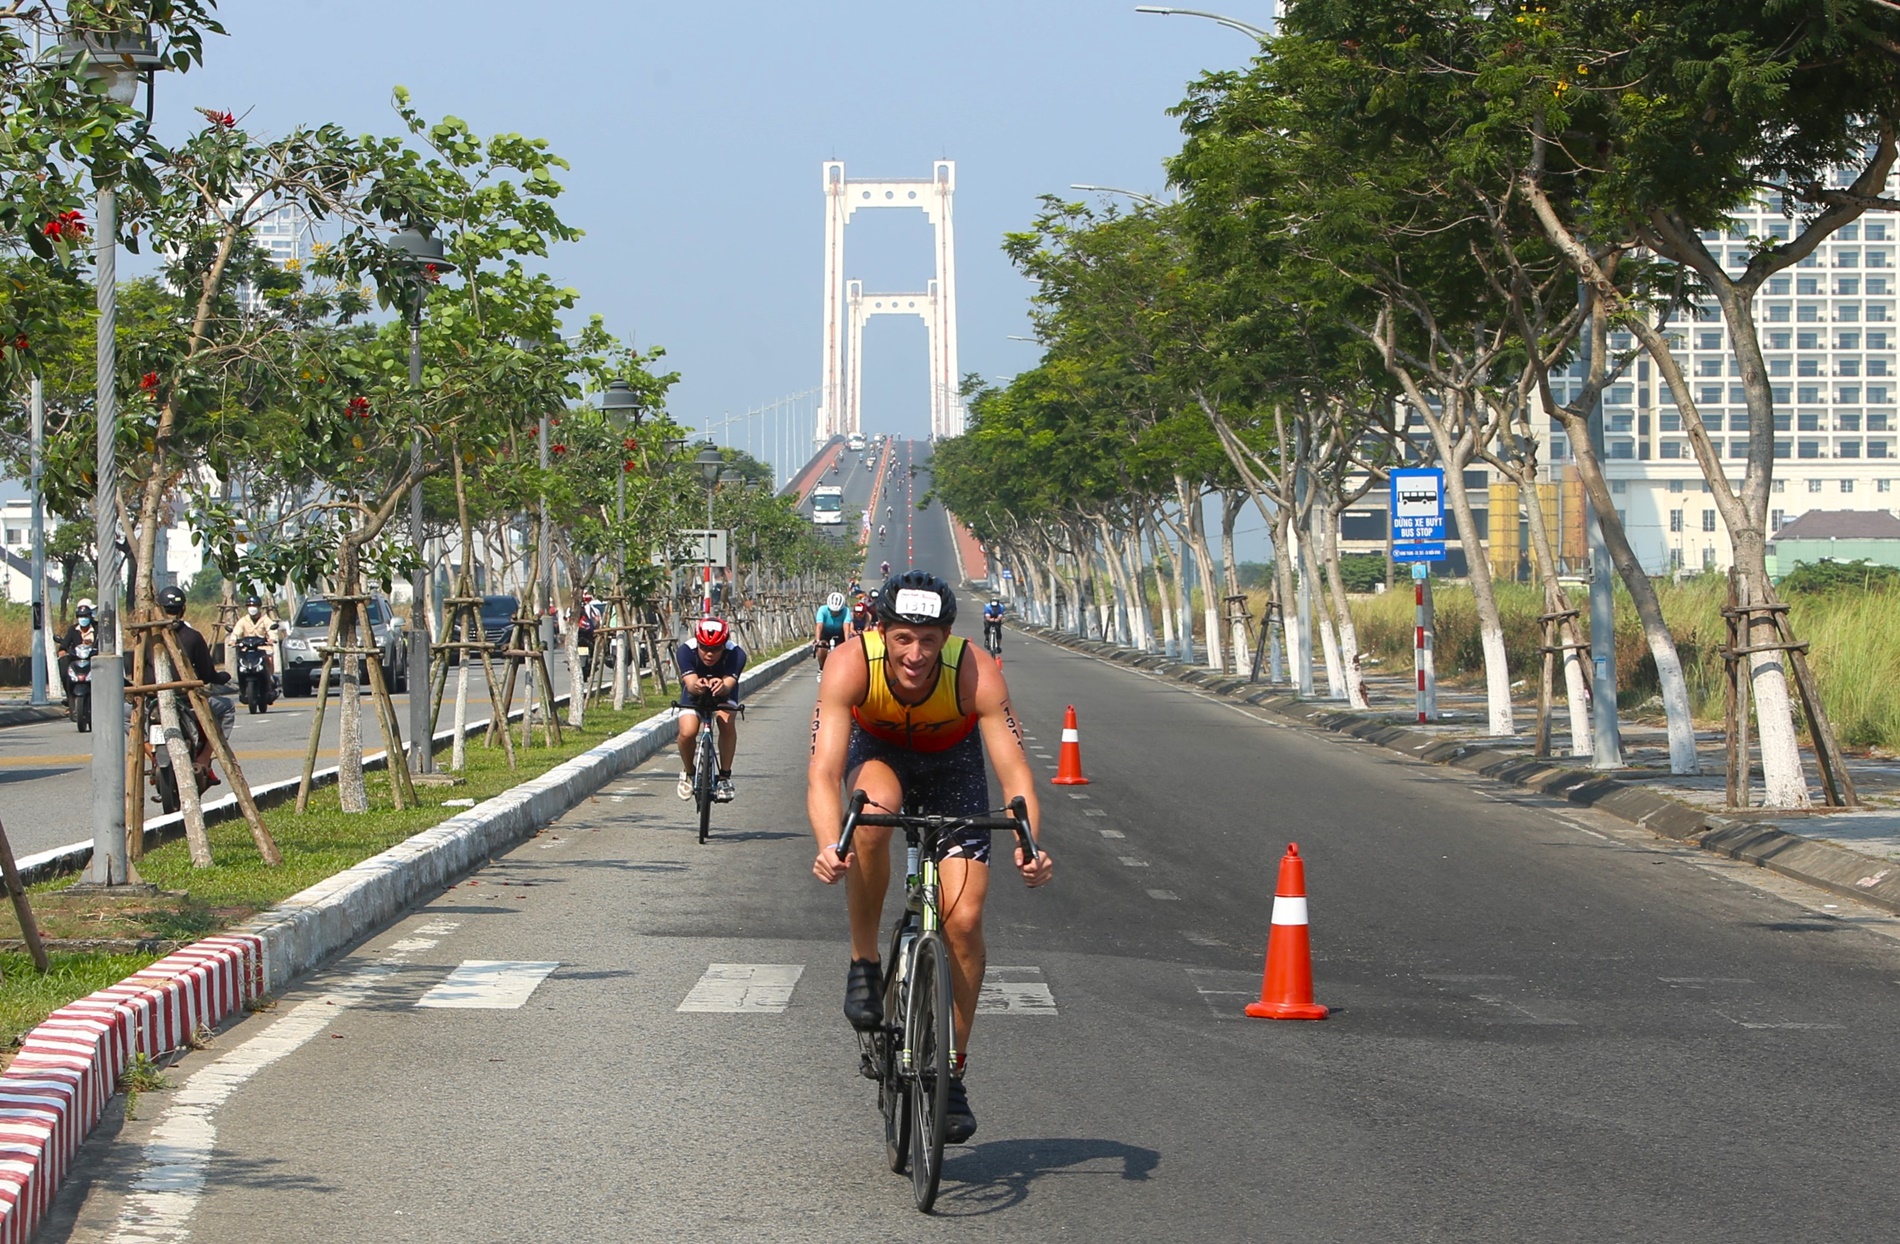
[(17, 709), (1855, 852)]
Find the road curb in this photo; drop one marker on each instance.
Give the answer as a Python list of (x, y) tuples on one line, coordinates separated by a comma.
[(1761, 842), (69, 1066)]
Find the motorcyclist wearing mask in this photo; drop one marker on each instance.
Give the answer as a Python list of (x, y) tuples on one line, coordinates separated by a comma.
[(80, 632), (254, 625)]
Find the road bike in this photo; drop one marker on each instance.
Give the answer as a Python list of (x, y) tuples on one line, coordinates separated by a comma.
[(993, 638), (706, 756), (910, 1055)]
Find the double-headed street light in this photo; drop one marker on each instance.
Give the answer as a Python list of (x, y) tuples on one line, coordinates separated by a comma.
[(1232, 23), (428, 262), (118, 62)]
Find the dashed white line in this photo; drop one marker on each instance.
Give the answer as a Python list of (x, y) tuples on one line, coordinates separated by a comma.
[(747, 987), (1015, 991), (488, 985)]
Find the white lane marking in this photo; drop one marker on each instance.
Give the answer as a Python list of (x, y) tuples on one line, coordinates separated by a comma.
[(1077, 794), (1774, 1025), (1111, 833), (1529, 1016), (1015, 991), (751, 987), (1705, 980), (1132, 862), (488, 985), (1224, 991), (1095, 812), (172, 1172), (1458, 977), (1166, 896), (1202, 939)]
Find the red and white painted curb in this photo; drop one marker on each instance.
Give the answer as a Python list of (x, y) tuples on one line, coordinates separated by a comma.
[(69, 1067)]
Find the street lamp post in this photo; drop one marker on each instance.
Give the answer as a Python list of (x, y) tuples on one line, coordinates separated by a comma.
[(1232, 23), (37, 471), (1149, 199), (622, 405), (118, 62), (710, 465), (426, 256)]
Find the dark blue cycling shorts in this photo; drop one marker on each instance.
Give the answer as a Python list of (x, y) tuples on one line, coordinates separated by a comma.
[(952, 782)]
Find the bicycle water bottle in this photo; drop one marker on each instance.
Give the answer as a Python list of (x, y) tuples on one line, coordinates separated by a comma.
[(911, 862)]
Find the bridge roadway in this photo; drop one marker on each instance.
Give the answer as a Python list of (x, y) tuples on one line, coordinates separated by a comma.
[(1548, 1026)]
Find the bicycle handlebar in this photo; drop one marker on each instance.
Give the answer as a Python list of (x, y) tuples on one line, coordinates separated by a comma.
[(1017, 822)]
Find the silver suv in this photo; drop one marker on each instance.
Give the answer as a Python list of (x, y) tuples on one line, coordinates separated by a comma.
[(303, 645)]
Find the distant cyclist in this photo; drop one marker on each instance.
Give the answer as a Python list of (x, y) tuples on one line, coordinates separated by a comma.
[(909, 725), (884, 568), (882, 531), (993, 625), (833, 627), (711, 664)]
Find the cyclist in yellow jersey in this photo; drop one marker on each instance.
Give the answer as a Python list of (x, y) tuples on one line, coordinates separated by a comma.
[(908, 709)]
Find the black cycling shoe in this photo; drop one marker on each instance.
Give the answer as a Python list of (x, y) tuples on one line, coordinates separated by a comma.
[(864, 995), (959, 1122)]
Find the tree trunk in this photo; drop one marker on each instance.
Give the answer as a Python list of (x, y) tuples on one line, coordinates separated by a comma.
[(1497, 671), (1571, 659), (197, 842), (1342, 610), (1165, 574), (1204, 563)]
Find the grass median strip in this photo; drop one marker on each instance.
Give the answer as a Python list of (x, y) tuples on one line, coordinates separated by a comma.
[(96, 941)]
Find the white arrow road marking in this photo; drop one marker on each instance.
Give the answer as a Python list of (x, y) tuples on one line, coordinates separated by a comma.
[(487, 985), (750, 987), (165, 1193)]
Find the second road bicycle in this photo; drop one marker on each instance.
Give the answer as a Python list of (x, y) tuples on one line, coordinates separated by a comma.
[(706, 757), (910, 1054)]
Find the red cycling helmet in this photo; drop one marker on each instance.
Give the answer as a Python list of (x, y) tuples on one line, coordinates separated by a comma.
[(711, 633)]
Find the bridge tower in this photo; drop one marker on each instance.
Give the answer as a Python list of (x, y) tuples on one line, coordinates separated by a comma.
[(847, 305)]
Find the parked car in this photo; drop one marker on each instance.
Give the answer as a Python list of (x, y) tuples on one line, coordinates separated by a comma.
[(310, 630)]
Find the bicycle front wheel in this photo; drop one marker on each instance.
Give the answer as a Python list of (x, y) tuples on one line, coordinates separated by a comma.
[(708, 770), (927, 1032)]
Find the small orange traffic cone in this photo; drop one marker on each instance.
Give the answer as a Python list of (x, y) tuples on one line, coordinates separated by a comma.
[(1069, 761), (1286, 989)]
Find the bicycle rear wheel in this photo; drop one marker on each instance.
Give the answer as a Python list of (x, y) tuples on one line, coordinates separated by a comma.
[(927, 1032), (707, 771), (893, 1092)]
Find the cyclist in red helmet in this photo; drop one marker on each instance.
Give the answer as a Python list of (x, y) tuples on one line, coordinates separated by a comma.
[(710, 664)]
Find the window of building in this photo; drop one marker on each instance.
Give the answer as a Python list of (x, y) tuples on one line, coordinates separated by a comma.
[(1847, 340), (1618, 395), (1847, 393), (1781, 394), (1669, 423), (1671, 449), (1877, 312), (1559, 447), (1709, 394), (1847, 449), (1876, 285), (1738, 449), (1847, 367), (1878, 367), (1708, 557), (1622, 450), (1883, 485), (1847, 421), (1807, 367), (1783, 448), (1808, 393), (1777, 519), (1807, 284), (1706, 490), (1808, 339), (1849, 285), (1876, 231), (1783, 421), (1708, 341), (16, 535), (1708, 520), (1814, 485), (1807, 313), (1847, 258), (1880, 449), (1778, 230), (1808, 421), (1712, 421), (1778, 339), (1878, 259), (1811, 261), (1877, 420), (1776, 367), (1780, 485), (1848, 232), (1808, 449), (1675, 520), (1738, 421), (1877, 339), (1847, 312), (1675, 486), (1778, 311), (1847, 485), (1619, 485)]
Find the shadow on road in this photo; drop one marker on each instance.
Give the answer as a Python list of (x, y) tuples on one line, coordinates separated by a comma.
[(998, 1175)]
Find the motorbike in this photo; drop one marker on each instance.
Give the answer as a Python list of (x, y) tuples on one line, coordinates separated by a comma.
[(80, 669), (584, 645), (158, 757), (253, 673)]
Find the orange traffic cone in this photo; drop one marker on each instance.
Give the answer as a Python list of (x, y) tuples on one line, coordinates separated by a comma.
[(1286, 990), (1069, 761)]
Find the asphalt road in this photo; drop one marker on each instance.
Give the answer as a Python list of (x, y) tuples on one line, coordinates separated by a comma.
[(1547, 1026), (46, 767)]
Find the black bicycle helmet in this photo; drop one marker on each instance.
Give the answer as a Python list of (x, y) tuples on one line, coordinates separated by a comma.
[(171, 600), (917, 597), (253, 599)]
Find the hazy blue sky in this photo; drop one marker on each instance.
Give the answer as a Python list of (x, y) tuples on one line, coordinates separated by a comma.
[(695, 132)]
